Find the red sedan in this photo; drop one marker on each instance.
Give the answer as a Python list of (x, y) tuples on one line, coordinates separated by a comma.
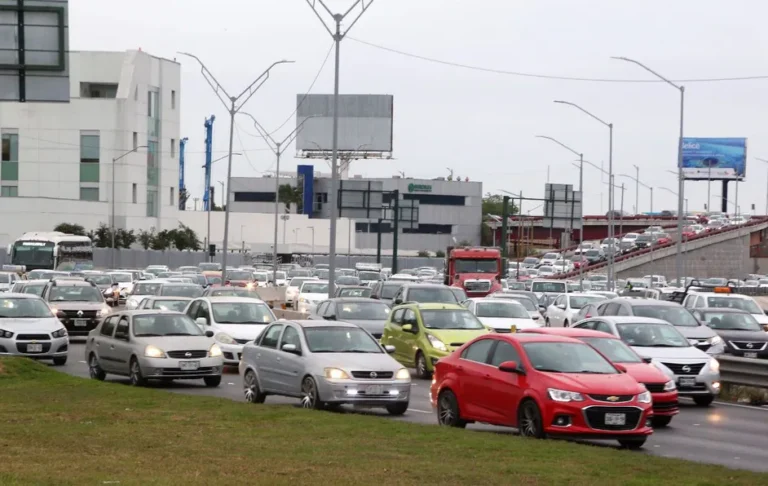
[(663, 389), (542, 385)]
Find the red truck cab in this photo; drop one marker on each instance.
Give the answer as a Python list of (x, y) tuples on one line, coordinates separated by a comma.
[(477, 270)]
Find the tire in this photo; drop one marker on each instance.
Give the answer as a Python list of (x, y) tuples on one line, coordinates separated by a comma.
[(397, 408), (529, 421), (137, 379), (253, 393), (703, 400), (660, 422), (632, 444), (310, 398), (94, 369), (421, 366), (60, 361), (448, 413), (212, 381)]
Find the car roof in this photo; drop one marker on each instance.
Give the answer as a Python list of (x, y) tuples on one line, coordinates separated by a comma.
[(354, 299), (6, 295), (642, 302), (537, 338), (230, 299), (437, 306), (319, 323), (422, 285), (144, 312), (721, 310), (718, 294), (167, 297), (568, 332), (72, 283), (631, 320)]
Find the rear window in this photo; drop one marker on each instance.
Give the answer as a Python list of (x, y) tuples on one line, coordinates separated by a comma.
[(550, 287)]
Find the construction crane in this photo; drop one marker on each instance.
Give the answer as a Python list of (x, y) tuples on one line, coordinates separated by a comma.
[(208, 160), (183, 196)]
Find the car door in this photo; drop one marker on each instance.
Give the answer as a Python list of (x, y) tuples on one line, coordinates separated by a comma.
[(556, 310), (392, 332), (192, 308), (265, 357), (121, 349), (503, 389), (473, 374), (103, 344), (290, 366), (409, 341)]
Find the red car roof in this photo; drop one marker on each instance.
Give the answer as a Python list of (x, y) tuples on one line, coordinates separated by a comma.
[(538, 338), (568, 332)]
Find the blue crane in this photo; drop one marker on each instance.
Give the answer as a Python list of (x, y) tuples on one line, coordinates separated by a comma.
[(182, 187), (208, 156)]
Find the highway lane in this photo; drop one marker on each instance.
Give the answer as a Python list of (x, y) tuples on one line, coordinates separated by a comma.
[(727, 434)]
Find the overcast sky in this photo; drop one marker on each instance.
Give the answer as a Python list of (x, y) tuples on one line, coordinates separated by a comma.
[(480, 124)]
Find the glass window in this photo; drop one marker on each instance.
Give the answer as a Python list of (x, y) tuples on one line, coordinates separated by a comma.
[(476, 266), (567, 358), (505, 352), (89, 193), (271, 336), (377, 311), (586, 325), (431, 294), (291, 336), (450, 319), (613, 349), (478, 351), (170, 305), (579, 301), (31, 308), (173, 99), (734, 321), (355, 292), (165, 325), (241, 313), (652, 335), (622, 311), (109, 326), (674, 314), (122, 328), (75, 293), (151, 203), (152, 110), (501, 309), (10, 147), (9, 191), (397, 317), (340, 340), (89, 148), (523, 300), (734, 303), (549, 287), (171, 197), (310, 287), (388, 290), (173, 147), (602, 327), (410, 318)]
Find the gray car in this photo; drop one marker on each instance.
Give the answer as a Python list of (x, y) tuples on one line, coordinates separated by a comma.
[(176, 304), (369, 314), (153, 345), (28, 328), (325, 364)]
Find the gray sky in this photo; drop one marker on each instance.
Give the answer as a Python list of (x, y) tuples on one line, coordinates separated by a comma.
[(480, 124)]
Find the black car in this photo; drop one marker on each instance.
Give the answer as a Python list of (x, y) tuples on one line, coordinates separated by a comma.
[(742, 334), (594, 256), (646, 240)]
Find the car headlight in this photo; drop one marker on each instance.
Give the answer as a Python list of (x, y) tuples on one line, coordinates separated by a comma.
[(644, 397), (564, 396), (154, 352), (403, 374), (214, 351), (335, 374), (303, 300), (714, 365), (436, 343), (714, 341), (670, 385), (105, 311), (225, 338), (60, 333), (6, 334)]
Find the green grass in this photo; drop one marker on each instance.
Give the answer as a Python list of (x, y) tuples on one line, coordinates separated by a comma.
[(58, 429)]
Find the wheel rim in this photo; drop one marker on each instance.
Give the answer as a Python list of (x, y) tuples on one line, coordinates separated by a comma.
[(445, 411), (308, 389), (529, 425), (421, 365), (250, 387), (93, 367), (135, 373)]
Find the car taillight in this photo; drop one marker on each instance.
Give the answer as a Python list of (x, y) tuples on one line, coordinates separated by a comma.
[(588, 316)]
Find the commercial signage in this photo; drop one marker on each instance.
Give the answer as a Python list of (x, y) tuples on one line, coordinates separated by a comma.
[(75, 249), (419, 188), (714, 158)]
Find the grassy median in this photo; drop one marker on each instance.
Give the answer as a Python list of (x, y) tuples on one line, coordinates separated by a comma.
[(57, 429)]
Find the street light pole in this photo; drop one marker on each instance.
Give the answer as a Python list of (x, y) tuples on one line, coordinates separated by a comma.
[(210, 205), (637, 181), (637, 189), (681, 179), (766, 190), (112, 224), (233, 105)]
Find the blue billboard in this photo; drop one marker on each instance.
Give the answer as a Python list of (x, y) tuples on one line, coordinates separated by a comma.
[(714, 158)]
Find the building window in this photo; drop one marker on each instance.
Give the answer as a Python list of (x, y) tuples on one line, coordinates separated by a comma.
[(428, 199), (9, 168), (173, 99), (135, 140), (173, 148), (255, 197), (152, 104), (152, 168), (171, 198), (89, 193), (430, 229), (152, 202), (98, 90), (134, 193), (9, 191), (89, 158)]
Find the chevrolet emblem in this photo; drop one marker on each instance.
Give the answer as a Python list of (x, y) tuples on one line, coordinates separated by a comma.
[(613, 398), (513, 328)]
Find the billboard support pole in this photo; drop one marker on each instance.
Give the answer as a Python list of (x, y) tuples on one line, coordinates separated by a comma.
[(396, 229), (378, 242), (724, 202), (503, 242)]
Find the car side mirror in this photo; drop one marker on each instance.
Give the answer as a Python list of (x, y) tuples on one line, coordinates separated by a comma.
[(408, 328), (647, 360), (510, 367), (389, 349), (542, 308), (332, 317), (620, 367), (291, 348), (561, 306), (397, 301), (200, 321), (209, 334)]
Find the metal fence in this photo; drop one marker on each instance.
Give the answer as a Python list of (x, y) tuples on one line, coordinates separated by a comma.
[(744, 371), (403, 263)]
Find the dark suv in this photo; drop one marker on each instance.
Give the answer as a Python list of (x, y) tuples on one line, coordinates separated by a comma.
[(78, 304), (425, 293)]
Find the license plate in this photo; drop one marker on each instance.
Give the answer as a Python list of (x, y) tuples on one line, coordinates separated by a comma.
[(34, 348), (750, 355), (374, 390), (615, 419), (81, 322), (189, 365), (687, 381)]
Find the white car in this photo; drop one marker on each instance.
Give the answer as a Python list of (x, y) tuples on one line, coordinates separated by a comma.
[(292, 291), (311, 293), (234, 321), (564, 266), (281, 280), (261, 279), (550, 259), (29, 328), (501, 314), (142, 290), (562, 311), (404, 277), (546, 271), (7, 279), (630, 238), (656, 280), (699, 300), (607, 242)]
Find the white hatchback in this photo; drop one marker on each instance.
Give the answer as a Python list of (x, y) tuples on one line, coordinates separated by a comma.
[(311, 293), (501, 314)]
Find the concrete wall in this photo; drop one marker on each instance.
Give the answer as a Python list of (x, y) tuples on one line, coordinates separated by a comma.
[(102, 258)]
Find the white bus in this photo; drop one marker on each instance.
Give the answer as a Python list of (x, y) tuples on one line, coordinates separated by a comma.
[(52, 251)]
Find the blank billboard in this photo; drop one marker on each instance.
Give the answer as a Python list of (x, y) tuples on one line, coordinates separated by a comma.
[(714, 158), (33, 59), (365, 123)]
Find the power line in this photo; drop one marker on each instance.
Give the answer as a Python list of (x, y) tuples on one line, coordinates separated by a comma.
[(245, 154), (548, 76)]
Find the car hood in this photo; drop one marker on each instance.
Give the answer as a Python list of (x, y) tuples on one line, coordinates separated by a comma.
[(67, 305), (456, 337), (731, 335), (698, 332), (354, 362), (374, 326), (241, 331), (645, 373), (30, 326), (689, 352), (614, 384), (507, 322), (177, 343)]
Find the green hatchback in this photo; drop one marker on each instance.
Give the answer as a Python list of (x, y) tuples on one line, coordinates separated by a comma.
[(424, 333)]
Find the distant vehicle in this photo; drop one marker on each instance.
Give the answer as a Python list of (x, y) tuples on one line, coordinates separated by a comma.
[(477, 270), (550, 259), (386, 290), (369, 314), (530, 262), (52, 251), (79, 305), (311, 293), (742, 334), (630, 238), (424, 293), (209, 267), (176, 304), (292, 290), (646, 240), (562, 311), (7, 279), (501, 315), (698, 300)]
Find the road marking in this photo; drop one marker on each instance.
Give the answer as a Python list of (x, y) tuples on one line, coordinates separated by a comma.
[(82, 362), (748, 407), (420, 411)]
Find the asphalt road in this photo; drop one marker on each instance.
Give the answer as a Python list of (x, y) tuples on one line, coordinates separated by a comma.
[(727, 434)]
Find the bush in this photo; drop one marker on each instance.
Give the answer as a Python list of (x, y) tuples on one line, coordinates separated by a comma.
[(181, 238), (423, 253), (70, 229), (440, 254)]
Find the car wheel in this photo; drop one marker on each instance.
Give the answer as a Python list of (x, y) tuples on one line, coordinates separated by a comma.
[(397, 408), (703, 400), (212, 381), (253, 393), (632, 444), (137, 379), (421, 366), (60, 361), (659, 422), (310, 397), (448, 413), (529, 420), (94, 369)]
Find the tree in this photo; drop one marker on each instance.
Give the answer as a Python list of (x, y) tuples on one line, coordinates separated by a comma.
[(70, 229), (101, 236), (287, 194), (146, 238), (184, 238), (494, 204), (423, 253), (440, 254), (161, 241), (124, 238)]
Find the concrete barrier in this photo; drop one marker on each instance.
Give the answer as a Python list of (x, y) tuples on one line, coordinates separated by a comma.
[(271, 294), (289, 314)]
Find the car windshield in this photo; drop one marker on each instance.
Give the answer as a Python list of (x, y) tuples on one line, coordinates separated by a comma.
[(164, 325), (734, 303), (375, 311), (735, 321), (590, 253), (516, 285), (209, 267), (442, 295), (214, 279), (522, 299), (652, 335), (348, 281), (75, 293), (233, 292), (715, 282), (459, 293), (340, 340), (181, 291), (550, 256), (579, 301), (122, 277), (100, 279), (501, 309), (549, 287), (631, 236), (475, 266), (34, 289), (530, 260), (260, 277), (613, 349), (673, 314), (241, 313), (146, 288), (297, 281), (280, 275), (389, 290), (546, 269), (11, 308), (355, 292), (557, 357), (42, 274), (5, 278), (450, 319), (314, 288), (170, 305), (239, 275), (299, 273), (369, 275)]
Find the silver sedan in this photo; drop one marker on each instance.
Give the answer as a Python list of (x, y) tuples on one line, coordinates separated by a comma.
[(325, 364)]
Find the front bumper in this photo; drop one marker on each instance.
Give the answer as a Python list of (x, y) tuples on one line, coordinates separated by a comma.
[(665, 404), (747, 353), (372, 393), (157, 368), (231, 353), (705, 383), (588, 420), (433, 355), (52, 348)]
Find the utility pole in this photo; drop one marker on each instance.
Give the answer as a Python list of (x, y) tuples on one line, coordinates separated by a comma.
[(503, 243), (337, 36), (396, 228), (378, 241), (195, 200), (233, 104), (637, 189), (112, 222)]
